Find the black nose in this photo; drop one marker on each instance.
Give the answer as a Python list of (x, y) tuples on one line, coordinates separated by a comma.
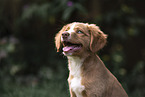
[(65, 34)]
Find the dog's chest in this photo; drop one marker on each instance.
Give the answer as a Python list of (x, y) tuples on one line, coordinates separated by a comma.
[(75, 71)]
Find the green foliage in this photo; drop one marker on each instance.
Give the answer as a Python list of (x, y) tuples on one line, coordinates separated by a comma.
[(43, 89), (52, 9), (69, 11), (37, 10)]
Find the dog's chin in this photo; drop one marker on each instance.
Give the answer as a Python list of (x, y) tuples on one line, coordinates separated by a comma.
[(71, 49)]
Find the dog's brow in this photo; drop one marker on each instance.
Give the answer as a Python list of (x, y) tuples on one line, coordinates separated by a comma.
[(67, 28), (71, 29), (78, 28)]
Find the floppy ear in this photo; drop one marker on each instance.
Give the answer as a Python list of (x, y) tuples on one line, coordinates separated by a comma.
[(58, 43), (98, 38)]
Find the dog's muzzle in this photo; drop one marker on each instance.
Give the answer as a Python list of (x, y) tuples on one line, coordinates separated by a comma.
[(65, 35), (69, 46)]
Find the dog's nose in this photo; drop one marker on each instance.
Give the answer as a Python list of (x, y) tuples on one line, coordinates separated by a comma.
[(65, 34)]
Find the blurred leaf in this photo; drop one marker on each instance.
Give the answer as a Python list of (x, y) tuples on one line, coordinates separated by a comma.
[(122, 71), (80, 8), (51, 19), (120, 33), (117, 58), (106, 57), (126, 9), (14, 69), (38, 10), (139, 68), (46, 73), (67, 12), (74, 8), (133, 31), (10, 47)]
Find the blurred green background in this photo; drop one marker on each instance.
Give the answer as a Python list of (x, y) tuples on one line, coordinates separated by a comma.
[(29, 64)]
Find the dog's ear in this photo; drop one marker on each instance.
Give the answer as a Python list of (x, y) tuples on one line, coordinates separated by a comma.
[(98, 38), (58, 43)]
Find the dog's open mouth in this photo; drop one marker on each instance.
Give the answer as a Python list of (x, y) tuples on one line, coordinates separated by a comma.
[(71, 47)]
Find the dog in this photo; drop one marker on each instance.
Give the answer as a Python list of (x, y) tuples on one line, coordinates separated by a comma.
[(88, 76)]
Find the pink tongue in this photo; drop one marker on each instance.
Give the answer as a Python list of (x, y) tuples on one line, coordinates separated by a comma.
[(66, 49)]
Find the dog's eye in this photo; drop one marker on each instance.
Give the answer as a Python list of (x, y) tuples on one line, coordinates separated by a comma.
[(79, 32)]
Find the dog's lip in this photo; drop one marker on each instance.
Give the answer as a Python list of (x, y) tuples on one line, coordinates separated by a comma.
[(68, 43), (71, 47)]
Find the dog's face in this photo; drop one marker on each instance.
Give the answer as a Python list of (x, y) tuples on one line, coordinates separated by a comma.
[(79, 39)]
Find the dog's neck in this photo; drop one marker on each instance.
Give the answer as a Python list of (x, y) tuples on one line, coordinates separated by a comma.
[(75, 64), (75, 79)]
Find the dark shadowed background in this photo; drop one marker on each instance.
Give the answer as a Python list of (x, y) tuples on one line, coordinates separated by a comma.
[(29, 64)]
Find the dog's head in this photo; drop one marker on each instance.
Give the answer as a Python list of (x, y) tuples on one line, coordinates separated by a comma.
[(78, 39)]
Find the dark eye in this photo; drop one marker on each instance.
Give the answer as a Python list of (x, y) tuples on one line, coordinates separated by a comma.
[(79, 32)]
